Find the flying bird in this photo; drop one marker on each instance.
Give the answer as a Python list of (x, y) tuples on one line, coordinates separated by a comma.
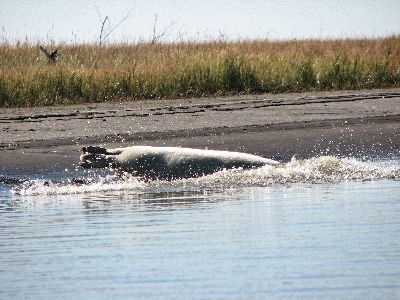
[(50, 56)]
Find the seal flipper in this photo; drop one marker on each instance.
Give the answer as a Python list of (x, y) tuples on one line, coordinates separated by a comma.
[(101, 150), (91, 160), (94, 150)]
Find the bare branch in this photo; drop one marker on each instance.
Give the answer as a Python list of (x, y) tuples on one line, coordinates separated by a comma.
[(154, 38), (106, 33), (157, 36), (102, 28), (119, 23)]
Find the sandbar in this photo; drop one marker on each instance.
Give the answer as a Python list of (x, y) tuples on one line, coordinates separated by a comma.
[(364, 124)]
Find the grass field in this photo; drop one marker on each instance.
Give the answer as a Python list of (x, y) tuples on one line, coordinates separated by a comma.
[(92, 73)]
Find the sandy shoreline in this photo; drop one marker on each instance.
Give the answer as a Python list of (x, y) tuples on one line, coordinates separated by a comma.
[(345, 123)]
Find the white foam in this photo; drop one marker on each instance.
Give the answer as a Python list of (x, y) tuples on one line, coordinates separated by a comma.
[(318, 169)]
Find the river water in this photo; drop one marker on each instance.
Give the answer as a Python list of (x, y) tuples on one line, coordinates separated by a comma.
[(318, 228)]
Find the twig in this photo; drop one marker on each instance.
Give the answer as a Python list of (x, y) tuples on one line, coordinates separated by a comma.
[(102, 28), (105, 34), (119, 23), (156, 37)]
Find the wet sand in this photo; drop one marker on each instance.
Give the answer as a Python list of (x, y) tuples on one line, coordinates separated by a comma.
[(363, 124)]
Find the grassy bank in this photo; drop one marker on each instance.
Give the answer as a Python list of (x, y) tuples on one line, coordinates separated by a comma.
[(90, 73)]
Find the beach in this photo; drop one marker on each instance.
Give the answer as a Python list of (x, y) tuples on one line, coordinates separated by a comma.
[(362, 124), (318, 227)]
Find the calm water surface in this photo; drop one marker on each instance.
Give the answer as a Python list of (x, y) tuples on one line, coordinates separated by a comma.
[(224, 236)]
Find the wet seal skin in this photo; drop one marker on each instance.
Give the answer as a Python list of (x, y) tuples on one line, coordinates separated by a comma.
[(169, 162)]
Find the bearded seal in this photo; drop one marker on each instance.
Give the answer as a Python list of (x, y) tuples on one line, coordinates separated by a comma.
[(168, 162)]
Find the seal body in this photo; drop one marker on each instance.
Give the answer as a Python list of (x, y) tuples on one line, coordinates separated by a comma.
[(169, 162)]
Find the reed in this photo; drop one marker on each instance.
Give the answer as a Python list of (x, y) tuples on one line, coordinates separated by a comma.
[(116, 72)]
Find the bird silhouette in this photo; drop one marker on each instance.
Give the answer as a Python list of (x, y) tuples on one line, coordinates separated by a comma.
[(50, 56)]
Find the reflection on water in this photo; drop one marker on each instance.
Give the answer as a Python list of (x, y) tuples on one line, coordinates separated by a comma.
[(230, 239)]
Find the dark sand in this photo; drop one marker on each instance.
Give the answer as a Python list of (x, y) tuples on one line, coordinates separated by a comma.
[(362, 124)]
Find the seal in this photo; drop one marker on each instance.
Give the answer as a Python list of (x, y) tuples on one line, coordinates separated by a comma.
[(168, 162)]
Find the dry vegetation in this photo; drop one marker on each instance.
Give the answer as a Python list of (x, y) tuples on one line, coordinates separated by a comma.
[(92, 73)]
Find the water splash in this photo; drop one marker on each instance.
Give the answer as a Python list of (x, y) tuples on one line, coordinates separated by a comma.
[(314, 170)]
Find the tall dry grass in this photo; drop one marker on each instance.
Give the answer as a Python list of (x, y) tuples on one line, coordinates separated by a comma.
[(90, 73)]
